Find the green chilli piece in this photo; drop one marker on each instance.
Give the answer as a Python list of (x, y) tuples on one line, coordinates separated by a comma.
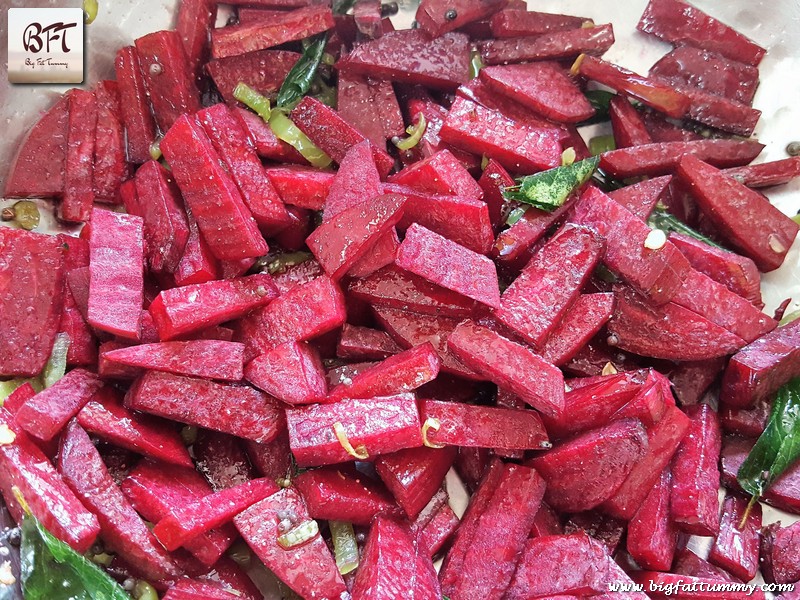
[(300, 534), (475, 64), (666, 222), (253, 100), (415, 133), (285, 130), (56, 365), (549, 189), (301, 75), (345, 547), (602, 143)]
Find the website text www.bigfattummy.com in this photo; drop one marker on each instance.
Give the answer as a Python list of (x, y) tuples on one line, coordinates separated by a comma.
[(693, 586)]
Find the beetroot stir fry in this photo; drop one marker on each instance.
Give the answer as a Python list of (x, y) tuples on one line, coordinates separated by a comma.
[(323, 263)]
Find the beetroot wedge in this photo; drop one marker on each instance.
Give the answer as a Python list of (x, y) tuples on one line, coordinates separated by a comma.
[(514, 22), (140, 126), (110, 162), (356, 181), (736, 546), (301, 186), (364, 343), (224, 460), (652, 536), (291, 372), (433, 18), (263, 70), (197, 264), (640, 198), (195, 21), (552, 45), (779, 553), (627, 124), (234, 409), (440, 173), (371, 106), (78, 196), (588, 315), (766, 174)]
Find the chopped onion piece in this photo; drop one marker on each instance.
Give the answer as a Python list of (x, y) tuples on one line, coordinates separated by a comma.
[(359, 452), (431, 423), (304, 532)]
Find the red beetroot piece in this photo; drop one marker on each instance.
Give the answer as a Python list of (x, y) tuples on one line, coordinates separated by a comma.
[(263, 70), (49, 411), (657, 273), (159, 203), (736, 546), (154, 489), (300, 186), (292, 372), (181, 311), (536, 302), (210, 193), (261, 34), (356, 181), (305, 312), (746, 218), (14, 401), (588, 315), (168, 76), (467, 425), (442, 63), (587, 470), (110, 163), (78, 195), (766, 174), (510, 365), (518, 146), (438, 530), (267, 145), (663, 158), (371, 106), (123, 530), (198, 264), (394, 566), (759, 369), (235, 409), (674, 21), (32, 277), (492, 181), (230, 141), (38, 167), (273, 460), (652, 537), (513, 245), (195, 20), (188, 589), (403, 372), (363, 343), (543, 87), (414, 475), (780, 550), (106, 417), (116, 269), (140, 126), (210, 359), (488, 562), (433, 17), (512, 23), (640, 198), (746, 422), (440, 173), (186, 522), (341, 495), (553, 45), (370, 427), (27, 471), (309, 568), (688, 563), (627, 124), (450, 265), (223, 459)]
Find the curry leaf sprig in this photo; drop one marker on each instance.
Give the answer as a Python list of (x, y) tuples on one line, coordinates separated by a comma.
[(550, 189)]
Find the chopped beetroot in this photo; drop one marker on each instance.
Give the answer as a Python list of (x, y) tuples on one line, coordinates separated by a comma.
[(14, 401), (438, 530), (492, 181), (403, 372), (440, 173), (303, 187), (518, 146), (230, 141), (49, 411), (513, 23), (606, 530), (442, 63), (156, 488), (536, 302), (483, 426), (720, 113), (168, 76), (759, 369), (110, 163), (291, 372), (233, 578), (370, 427), (25, 468), (640, 198), (297, 275), (347, 237), (140, 127), (38, 167), (116, 267), (188, 589), (413, 475), (670, 331), (159, 203), (197, 264), (652, 537), (553, 45), (543, 87), (675, 21), (780, 553), (657, 273), (393, 566), (185, 522), (510, 365), (273, 460), (382, 254), (766, 174), (547, 522), (78, 196), (356, 181), (589, 469), (210, 359), (266, 143), (261, 34), (210, 193), (305, 312), (371, 106), (627, 123), (513, 246), (588, 315), (663, 438), (364, 343), (746, 422), (434, 18), (308, 568), (341, 495), (489, 560), (688, 563), (662, 158), (736, 546), (32, 277), (180, 311), (106, 417), (449, 265), (746, 218), (123, 530), (194, 23), (263, 70), (235, 409), (223, 459)]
